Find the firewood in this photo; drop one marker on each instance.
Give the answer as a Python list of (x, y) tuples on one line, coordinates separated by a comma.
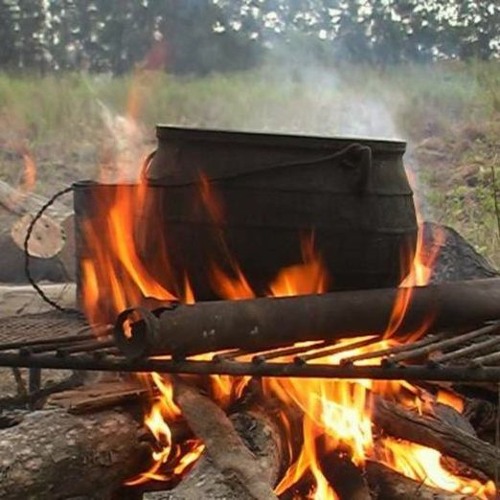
[(348, 480), (450, 440), (52, 454), (227, 468), (457, 259), (47, 240), (388, 484), (103, 394)]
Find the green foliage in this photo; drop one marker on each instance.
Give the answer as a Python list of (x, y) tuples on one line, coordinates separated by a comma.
[(204, 36)]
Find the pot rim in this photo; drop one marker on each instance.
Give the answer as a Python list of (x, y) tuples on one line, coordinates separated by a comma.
[(176, 133)]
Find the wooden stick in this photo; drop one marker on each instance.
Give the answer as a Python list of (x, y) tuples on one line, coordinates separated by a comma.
[(228, 468)]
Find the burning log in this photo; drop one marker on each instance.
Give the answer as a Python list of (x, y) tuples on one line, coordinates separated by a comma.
[(265, 323), (435, 433), (228, 469), (52, 454), (387, 483), (348, 480)]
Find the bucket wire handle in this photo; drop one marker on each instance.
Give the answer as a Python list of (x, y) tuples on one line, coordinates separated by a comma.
[(27, 269)]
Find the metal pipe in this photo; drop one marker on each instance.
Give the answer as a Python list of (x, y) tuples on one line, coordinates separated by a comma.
[(266, 323)]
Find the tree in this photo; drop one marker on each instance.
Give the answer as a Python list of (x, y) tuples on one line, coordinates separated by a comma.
[(9, 12)]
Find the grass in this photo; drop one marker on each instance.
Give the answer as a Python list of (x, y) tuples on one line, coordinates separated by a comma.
[(449, 113)]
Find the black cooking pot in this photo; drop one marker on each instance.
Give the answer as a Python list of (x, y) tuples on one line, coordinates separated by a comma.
[(248, 198)]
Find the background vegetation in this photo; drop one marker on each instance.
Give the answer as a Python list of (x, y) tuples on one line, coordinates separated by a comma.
[(74, 73)]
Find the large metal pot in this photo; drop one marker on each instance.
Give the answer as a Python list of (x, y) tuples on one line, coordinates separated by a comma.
[(353, 194)]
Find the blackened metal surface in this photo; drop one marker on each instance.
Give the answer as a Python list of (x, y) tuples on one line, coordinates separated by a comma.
[(266, 323), (352, 193)]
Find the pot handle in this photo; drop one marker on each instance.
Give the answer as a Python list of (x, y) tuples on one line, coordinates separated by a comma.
[(358, 158), (146, 164)]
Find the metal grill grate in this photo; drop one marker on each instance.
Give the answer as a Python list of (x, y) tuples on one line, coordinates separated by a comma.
[(58, 341)]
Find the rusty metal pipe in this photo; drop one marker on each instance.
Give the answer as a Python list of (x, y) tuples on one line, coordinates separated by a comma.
[(266, 323)]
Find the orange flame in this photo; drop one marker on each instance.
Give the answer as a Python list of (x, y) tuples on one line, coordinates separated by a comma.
[(424, 464), (28, 179)]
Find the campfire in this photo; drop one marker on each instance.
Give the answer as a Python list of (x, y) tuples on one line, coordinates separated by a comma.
[(294, 386), (335, 419)]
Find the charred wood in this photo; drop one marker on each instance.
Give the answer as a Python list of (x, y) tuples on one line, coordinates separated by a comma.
[(348, 481), (449, 439), (388, 484), (457, 259)]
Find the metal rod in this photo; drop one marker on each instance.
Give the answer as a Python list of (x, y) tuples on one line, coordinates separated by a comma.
[(21, 344), (34, 380), (44, 342), (487, 359), (37, 349), (376, 372), (86, 347), (229, 355), (445, 343), (287, 351), (334, 350), (266, 323), (394, 350), (477, 347)]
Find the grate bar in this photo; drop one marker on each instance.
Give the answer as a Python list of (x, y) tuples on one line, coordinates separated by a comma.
[(85, 347), (304, 358), (376, 372), (287, 351), (488, 359), (394, 349), (460, 339), (460, 353)]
